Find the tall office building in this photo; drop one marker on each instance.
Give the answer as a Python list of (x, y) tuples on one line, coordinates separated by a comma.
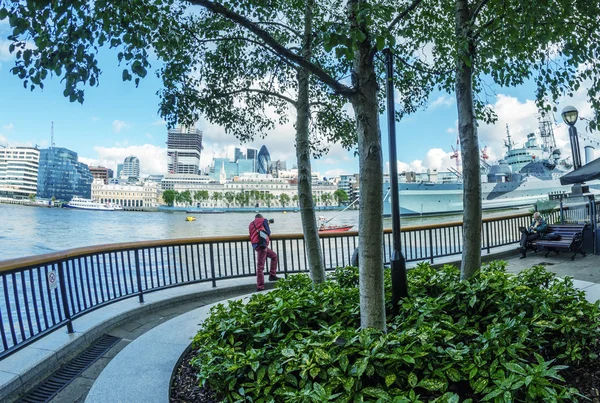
[(101, 173), (238, 155), (62, 176), (18, 171), (131, 168), (251, 153), (264, 160), (184, 146), (119, 170)]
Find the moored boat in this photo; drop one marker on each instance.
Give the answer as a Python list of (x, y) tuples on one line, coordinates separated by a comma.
[(89, 204)]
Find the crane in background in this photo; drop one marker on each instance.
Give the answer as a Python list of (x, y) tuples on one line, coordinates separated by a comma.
[(456, 156)]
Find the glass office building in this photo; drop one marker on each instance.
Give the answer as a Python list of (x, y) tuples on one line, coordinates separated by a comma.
[(264, 160), (62, 176)]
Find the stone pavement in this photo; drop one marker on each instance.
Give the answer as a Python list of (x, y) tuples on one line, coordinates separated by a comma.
[(139, 367)]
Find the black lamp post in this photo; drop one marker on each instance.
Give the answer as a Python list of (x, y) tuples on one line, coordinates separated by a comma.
[(398, 263), (570, 115)]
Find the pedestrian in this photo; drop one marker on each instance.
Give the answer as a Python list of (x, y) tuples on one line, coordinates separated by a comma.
[(535, 231), (260, 233)]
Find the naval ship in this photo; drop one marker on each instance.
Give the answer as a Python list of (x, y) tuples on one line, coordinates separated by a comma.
[(526, 175)]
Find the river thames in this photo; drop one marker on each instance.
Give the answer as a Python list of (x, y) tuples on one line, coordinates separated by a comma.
[(30, 231)]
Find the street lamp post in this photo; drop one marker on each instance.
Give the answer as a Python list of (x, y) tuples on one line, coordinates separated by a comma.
[(398, 263), (570, 115)]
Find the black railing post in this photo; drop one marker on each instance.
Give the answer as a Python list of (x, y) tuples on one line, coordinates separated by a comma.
[(398, 263), (486, 225), (284, 258), (431, 245), (138, 274), (212, 266), (562, 213), (63, 294)]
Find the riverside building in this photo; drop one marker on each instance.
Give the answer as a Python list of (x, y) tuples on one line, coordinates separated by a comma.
[(131, 169), (18, 172), (249, 190), (101, 173), (184, 145), (127, 196), (62, 176)]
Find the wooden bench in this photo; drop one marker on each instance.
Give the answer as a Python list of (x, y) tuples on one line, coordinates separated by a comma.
[(571, 238)]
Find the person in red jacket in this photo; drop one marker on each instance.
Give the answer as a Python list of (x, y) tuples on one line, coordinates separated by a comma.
[(259, 238)]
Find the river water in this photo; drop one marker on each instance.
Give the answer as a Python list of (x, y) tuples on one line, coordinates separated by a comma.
[(26, 231)]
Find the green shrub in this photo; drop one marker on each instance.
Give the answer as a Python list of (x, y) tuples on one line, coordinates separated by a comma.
[(497, 337)]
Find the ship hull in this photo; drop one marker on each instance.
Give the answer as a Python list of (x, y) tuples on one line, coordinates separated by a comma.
[(434, 199)]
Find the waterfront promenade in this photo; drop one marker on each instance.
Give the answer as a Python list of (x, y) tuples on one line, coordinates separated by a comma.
[(155, 334)]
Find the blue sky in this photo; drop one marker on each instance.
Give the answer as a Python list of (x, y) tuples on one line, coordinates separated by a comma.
[(117, 120)]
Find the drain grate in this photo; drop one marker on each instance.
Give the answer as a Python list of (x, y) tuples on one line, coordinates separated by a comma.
[(65, 375)]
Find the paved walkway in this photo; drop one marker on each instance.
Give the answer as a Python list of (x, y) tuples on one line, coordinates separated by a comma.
[(138, 369)]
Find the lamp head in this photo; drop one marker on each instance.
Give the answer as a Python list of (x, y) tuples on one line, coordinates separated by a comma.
[(570, 115)]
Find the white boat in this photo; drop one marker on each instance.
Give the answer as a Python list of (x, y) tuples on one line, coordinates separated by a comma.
[(525, 176), (89, 204)]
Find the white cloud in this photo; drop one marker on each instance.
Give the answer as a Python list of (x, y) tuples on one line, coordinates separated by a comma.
[(95, 118), (159, 122), (441, 102), (3, 140), (148, 135), (8, 127), (153, 159), (119, 125)]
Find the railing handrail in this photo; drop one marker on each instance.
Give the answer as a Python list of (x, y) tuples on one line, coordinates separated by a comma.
[(52, 257)]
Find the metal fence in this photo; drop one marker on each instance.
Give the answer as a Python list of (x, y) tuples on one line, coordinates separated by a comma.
[(41, 293)]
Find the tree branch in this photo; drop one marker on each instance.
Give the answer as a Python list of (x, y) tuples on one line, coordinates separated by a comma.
[(278, 48), (403, 14), (259, 91), (477, 10), (292, 30)]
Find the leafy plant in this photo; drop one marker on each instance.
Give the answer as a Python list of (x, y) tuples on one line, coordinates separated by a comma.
[(497, 337)]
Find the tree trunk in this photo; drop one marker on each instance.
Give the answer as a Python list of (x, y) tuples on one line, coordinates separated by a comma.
[(467, 129), (307, 208), (370, 229)]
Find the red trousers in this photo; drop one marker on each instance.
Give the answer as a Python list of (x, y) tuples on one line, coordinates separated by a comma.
[(261, 258)]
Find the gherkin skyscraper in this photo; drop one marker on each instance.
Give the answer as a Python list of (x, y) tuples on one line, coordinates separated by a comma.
[(264, 160)]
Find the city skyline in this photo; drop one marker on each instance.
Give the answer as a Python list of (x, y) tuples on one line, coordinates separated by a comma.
[(117, 120)]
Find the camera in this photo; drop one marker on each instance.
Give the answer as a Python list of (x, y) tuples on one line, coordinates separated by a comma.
[(271, 220)]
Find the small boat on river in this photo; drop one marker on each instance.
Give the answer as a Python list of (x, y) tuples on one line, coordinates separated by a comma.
[(332, 228), (335, 228), (190, 218)]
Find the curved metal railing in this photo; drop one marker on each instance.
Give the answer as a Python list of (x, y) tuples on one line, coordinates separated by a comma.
[(39, 294)]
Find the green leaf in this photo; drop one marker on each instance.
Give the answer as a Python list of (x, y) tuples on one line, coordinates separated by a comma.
[(514, 367), (314, 372), (288, 352), (380, 41), (412, 380), (390, 379), (453, 374), (432, 384), (479, 385)]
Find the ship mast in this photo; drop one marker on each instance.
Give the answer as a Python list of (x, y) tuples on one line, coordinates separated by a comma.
[(52, 135), (508, 143), (547, 133)]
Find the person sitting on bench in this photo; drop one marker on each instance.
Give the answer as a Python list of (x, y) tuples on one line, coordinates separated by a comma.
[(536, 230)]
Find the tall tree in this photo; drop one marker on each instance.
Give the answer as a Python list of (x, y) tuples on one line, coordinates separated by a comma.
[(348, 36), (475, 44)]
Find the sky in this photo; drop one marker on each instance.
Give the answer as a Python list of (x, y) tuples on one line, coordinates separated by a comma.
[(117, 120)]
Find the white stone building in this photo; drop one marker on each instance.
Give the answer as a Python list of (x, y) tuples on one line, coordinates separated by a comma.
[(256, 186), (145, 195)]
